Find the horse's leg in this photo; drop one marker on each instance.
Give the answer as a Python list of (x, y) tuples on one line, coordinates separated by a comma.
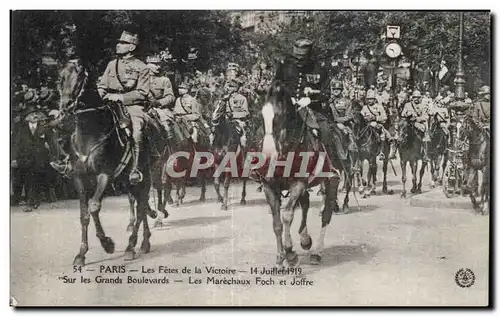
[(84, 221), (348, 187), (403, 176), (361, 180), (305, 238), (95, 207), (485, 191), (244, 193), (274, 200), (434, 171), (142, 210), (384, 171), (183, 191), (330, 206), (296, 191), (422, 171), (443, 167), (374, 168), (132, 218), (168, 192), (217, 189), (413, 167), (203, 188), (470, 178), (227, 182)]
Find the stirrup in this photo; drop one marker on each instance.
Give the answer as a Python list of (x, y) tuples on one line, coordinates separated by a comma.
[(132, 179)]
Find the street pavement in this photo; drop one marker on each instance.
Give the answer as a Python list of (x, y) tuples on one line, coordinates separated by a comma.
[(387, 252)]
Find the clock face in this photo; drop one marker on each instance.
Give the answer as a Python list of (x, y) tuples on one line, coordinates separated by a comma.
[(393, 50)]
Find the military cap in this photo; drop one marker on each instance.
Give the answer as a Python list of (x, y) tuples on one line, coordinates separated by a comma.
[(416, 94), (484, 90), (336, 84), (153, 59), (130, 38), (302, 46), (370, 94), (185, 85), (30, 96)]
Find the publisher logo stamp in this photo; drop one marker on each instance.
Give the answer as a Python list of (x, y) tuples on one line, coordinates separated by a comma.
[(465, 278)]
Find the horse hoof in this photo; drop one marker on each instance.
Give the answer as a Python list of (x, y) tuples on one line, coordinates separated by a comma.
[(345, 208), (202, 199), (403, 194), (152, 214), (390, 192), (419, 191), (165, 214), (413, 190), (130, 228), (366, 195), (145, 248), (158, 223), (129, 255), (224, 207), (293, 259), (243, 202), (315, 259), (220, 200), (259, 189), (307, 243), (170, 201), (364, 183), (79, 261), (280, 259), (373, 192), (28, 209), (384, 190), (108, 245)]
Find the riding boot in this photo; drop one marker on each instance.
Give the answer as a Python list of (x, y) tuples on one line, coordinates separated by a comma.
[(135, 176)]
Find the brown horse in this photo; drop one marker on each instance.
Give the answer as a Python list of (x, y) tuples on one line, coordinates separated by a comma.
[(478, 159), (437, 149), (100, 153), (286, 133)]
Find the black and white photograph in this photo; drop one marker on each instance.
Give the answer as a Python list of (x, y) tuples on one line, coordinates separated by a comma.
[(250, 158)]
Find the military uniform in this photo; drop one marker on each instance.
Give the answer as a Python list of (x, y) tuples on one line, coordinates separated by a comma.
[(481, 109), (419, 112), (161, 97), (376, 116), (188, 111), (235, 107), (299, 73), (440, 114), (343, 114), (129, 79)]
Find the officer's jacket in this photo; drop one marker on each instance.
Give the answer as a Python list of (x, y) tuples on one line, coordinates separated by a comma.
[(441, 114), (417, 110), (481, 112), (126, 76), (161, 90), (383, 97), (342, 110), (312, 75), (238, 106), (375, 112), (186, 107)]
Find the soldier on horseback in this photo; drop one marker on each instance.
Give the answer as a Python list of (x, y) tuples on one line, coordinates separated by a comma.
[(126, 82), (417, 112), (374, 113), (188, 111), (235, 106), (343, 116), (481, 109), (161, 96), (307, 81)]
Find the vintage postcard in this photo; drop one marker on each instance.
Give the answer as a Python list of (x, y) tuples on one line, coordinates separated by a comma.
[(250, 158)]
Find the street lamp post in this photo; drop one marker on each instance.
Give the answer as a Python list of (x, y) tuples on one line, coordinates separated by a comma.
[(460, 75)]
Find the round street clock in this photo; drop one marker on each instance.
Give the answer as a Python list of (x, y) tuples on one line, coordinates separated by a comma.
[(393, 50)]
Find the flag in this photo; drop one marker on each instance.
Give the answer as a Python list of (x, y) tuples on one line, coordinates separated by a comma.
[(443, 70)]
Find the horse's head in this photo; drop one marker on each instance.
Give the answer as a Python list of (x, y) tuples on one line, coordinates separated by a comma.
[(279, 115), (72, 83)]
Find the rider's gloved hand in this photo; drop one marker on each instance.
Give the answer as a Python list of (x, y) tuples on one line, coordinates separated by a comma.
[(373, 124), (303, 102)]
